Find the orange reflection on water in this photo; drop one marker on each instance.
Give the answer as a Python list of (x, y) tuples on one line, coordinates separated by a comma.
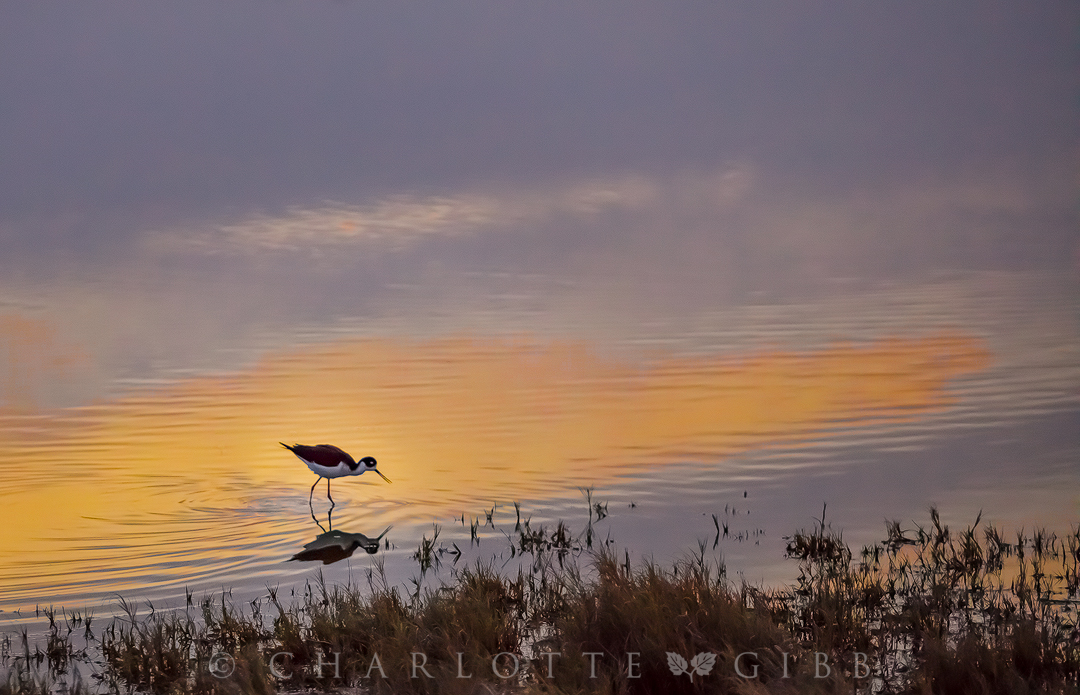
[(455, 423), (31, 355)]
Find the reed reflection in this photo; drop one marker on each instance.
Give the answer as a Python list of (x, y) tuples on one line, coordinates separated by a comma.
[(334, 545)]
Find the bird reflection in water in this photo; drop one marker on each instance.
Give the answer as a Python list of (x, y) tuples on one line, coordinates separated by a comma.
[(333, 546)]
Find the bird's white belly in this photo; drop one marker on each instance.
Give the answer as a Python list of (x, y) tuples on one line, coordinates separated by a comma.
[(336, 472)]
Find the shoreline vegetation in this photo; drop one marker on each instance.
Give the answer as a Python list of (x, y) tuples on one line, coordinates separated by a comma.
[(926, 610)]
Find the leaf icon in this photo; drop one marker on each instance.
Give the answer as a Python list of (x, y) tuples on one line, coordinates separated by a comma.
[(677, 664), (702, 664)]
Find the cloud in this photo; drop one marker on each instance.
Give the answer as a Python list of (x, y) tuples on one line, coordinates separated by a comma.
[(733, 214), (32, 359), (397, 221)]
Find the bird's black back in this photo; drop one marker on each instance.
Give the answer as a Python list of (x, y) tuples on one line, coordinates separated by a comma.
[(326, 455)]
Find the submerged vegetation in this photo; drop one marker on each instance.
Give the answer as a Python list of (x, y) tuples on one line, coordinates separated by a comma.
[(926, 610)]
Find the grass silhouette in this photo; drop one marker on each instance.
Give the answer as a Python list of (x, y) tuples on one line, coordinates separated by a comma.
[(928, 609)]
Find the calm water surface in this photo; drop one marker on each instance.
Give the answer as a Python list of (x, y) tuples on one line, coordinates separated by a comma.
[(960, 392)]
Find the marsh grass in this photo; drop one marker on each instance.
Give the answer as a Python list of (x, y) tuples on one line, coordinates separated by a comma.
[(53, 666), (939, 611), (935, 611)]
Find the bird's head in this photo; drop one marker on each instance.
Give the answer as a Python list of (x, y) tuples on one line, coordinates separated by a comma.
[(368, 463)]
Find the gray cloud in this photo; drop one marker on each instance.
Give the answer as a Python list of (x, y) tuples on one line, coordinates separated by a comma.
[(175, 178), (127, 115), (398, 221)]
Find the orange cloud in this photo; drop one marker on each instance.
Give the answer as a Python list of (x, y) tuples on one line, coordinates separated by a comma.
[(31, 354), (485, 416), (456, 423)]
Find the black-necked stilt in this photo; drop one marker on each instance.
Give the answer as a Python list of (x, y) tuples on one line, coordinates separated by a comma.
[(332, 546), (328, 461)]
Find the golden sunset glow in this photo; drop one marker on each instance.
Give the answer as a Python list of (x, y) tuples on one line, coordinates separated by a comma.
[(455, 423), (31, 353)]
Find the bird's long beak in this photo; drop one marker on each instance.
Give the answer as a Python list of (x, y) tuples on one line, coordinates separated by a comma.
[(382, 476)]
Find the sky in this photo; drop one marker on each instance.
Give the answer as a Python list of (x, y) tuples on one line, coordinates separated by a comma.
[(175, 179)]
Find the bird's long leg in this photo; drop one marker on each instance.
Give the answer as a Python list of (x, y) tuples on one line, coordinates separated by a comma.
[(311, 505), (330, 512)]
